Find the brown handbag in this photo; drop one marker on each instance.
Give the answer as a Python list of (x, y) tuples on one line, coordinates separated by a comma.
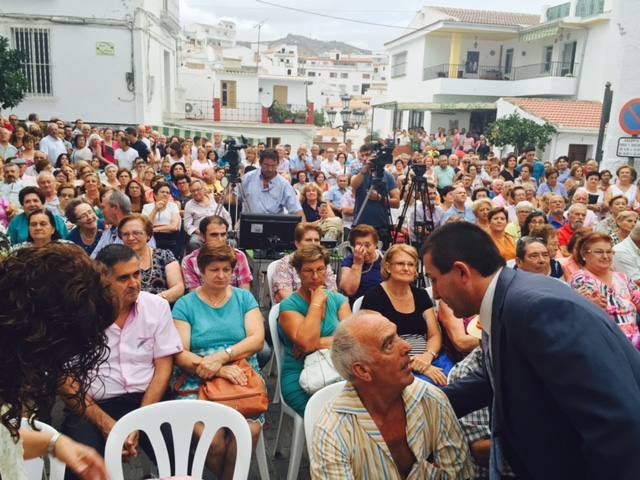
[(250, 400)]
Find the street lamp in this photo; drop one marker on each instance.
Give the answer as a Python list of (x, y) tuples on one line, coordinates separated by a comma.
[(351, 119)]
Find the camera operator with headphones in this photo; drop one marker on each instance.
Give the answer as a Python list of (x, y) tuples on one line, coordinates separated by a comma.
[(381, 198)]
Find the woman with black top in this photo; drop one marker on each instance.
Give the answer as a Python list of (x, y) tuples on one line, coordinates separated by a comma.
[(411, 309), (310, 198), (509, 171)]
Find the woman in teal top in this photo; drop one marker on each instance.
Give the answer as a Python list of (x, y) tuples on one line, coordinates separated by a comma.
[(307, 320), (218, 324)]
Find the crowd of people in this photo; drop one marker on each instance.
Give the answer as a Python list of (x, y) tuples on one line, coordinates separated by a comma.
[(150, 221)]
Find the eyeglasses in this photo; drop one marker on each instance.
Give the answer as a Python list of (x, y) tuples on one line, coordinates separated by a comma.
[(404, 264), (601, 253), (134, 233), (86, 215), (313, 273)]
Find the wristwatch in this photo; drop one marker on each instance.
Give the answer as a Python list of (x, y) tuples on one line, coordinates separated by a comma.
[(229, 351)]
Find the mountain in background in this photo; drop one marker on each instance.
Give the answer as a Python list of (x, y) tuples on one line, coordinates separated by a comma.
[(310, 47)]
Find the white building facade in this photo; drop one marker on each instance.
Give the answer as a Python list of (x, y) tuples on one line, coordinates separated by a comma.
[(104, 62), (457, 63)]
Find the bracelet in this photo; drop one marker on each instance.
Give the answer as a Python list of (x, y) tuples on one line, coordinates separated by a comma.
[(51, 448), (316, 305), (433, 354)]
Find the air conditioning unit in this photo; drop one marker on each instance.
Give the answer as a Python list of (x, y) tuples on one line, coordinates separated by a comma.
[(188, 107)]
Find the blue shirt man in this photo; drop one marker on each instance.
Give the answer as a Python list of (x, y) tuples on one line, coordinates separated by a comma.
[(335, 194), (458, 208), (376, 211), (265, 192)]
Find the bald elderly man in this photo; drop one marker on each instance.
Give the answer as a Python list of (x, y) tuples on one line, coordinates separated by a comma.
[(385, 423)]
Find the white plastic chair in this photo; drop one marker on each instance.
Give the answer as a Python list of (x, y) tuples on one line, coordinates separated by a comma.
[(297, 439), (314, 408), (357, 305), (35, 466), (271, 270), (182, 415)]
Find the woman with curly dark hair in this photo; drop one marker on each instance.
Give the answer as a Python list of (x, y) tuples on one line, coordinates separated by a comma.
[(51, 329)]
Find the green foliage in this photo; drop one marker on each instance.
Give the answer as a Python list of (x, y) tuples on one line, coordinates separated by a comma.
[(519, 132), (319, 118), (13, 83)]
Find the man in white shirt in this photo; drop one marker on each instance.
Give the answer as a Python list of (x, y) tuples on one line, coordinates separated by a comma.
[(125, 155), (627, 255), (52, 145), (331, 167), (6, 149)]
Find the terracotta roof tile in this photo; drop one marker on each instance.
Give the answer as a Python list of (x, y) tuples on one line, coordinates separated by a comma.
[(570, 114), (489, 17)]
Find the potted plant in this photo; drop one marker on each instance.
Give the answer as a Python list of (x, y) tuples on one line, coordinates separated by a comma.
[(278, 113), (300, 117)]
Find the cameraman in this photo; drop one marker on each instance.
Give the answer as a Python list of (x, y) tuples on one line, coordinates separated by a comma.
[(376, 212)]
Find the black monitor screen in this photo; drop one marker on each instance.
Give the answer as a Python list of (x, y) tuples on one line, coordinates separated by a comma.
[(275, 233)]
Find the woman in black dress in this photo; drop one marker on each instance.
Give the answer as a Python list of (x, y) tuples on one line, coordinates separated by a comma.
[(412, 310)]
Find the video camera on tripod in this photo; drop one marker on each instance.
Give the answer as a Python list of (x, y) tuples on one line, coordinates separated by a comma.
[(232, 157), (382, 156)]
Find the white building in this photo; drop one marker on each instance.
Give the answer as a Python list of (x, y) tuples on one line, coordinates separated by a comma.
[(233, 90), (333, 74), (104, 62), (455, 64), (577, 123)]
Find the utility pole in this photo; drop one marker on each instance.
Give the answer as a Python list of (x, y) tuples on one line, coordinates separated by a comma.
[(604, 120), (259, 27)]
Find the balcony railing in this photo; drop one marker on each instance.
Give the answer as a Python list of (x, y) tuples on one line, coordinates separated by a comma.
[(197, 109), (484, 72)]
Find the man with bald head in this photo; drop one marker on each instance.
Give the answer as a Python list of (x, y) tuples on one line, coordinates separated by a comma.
[(384, 423), (52, 145)]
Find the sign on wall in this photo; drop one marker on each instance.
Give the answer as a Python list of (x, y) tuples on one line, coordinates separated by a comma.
[(628, 147), (105, 48), (630, 117)]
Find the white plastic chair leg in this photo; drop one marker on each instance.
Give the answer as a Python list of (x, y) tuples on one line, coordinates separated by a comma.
[(297, 446), (276, 395), (261, 458), (277, 442)]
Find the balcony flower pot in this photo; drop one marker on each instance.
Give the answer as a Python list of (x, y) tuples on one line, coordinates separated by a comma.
[(300, 117)]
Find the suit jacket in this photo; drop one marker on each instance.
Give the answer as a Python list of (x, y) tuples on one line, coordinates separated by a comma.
[(567, 384)]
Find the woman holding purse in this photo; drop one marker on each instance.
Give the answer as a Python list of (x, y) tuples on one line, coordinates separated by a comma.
[(307, 320), (219, 324)]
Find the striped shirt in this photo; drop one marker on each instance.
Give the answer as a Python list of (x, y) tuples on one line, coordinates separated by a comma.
[(348, 445)]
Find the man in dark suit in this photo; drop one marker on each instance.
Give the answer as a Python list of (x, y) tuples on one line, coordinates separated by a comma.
[(561, 380)]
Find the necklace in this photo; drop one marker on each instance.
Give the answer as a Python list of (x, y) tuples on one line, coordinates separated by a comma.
[(213, 301), (371, 264)]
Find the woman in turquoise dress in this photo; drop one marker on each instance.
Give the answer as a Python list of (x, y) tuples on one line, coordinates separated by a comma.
[(307, 320), (219, 324)]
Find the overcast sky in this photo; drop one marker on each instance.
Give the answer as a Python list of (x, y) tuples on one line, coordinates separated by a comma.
[(278, 22)]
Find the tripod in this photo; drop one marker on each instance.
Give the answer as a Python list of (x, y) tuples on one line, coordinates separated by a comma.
[(417, 191), (378, 186)]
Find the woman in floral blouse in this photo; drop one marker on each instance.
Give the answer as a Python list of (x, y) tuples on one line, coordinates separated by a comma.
[(612, 291)]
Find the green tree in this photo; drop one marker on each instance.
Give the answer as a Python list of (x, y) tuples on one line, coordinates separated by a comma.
[(13, 83), (519, 132)]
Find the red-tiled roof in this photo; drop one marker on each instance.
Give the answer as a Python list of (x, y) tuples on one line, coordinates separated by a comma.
[(571, 114), (488, 17)]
